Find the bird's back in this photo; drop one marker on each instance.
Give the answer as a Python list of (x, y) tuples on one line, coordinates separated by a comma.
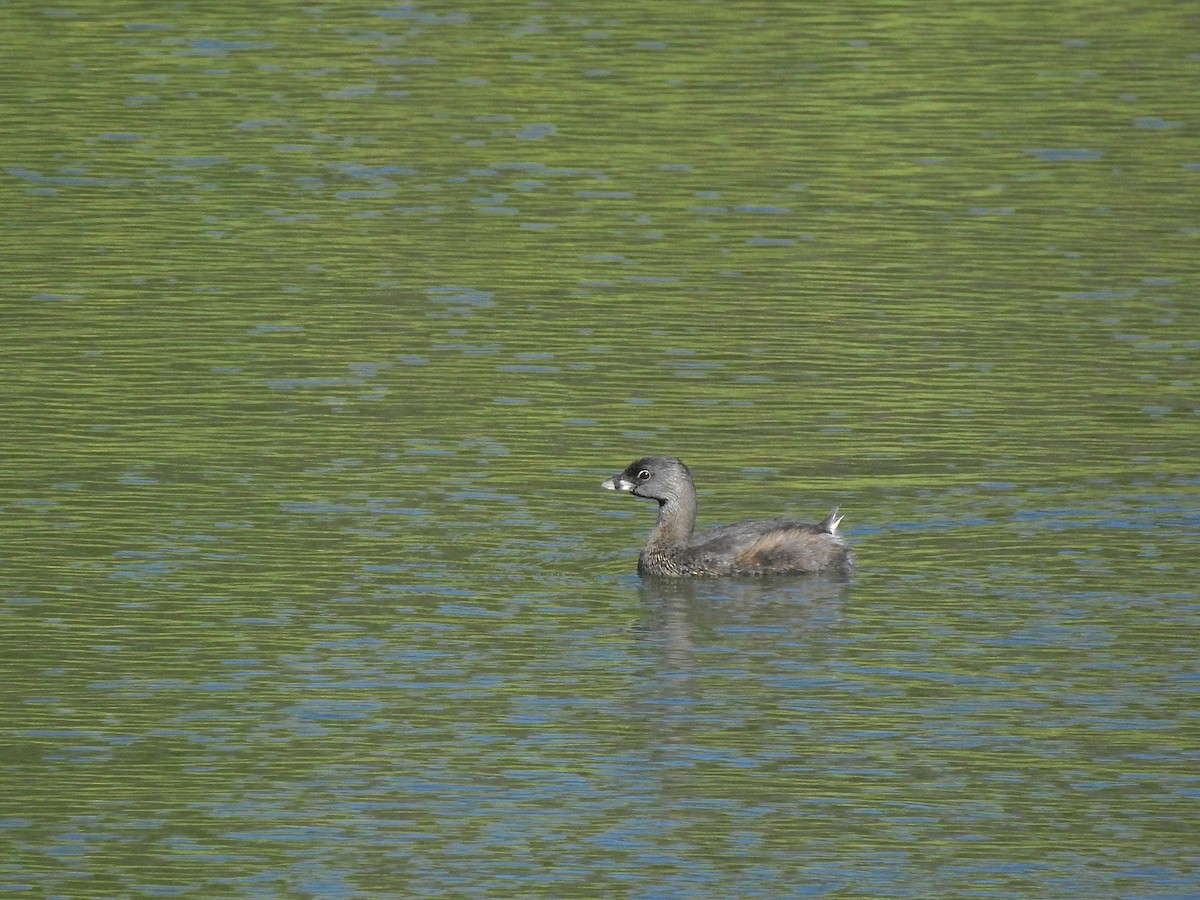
[(766, 547)]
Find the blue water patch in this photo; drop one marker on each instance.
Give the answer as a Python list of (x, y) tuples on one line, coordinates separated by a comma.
[(219, 47), (604, 195), (1065, 154), (317, 506), (460, 295), (1156, 123), (276, 329), (70, 177), (1102, 294), (293, 384), (363, 194), (535, 132), (192, 162), (413, 13)]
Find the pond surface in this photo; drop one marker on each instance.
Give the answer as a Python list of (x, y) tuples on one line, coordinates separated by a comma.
[(323, 325)]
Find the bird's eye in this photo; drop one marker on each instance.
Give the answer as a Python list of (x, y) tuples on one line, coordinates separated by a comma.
[(644, 475)]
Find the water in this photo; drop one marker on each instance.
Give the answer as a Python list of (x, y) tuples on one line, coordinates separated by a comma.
[(323, 326)]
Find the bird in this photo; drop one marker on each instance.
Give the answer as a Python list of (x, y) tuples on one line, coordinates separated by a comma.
[(778, 546)]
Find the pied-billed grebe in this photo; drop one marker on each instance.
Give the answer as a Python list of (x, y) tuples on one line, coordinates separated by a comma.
[(755, 547)]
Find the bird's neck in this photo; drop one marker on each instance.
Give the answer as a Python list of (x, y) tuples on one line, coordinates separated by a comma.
[(676, 522)]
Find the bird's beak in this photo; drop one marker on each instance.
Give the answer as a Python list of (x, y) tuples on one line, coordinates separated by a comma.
[(618, 483)]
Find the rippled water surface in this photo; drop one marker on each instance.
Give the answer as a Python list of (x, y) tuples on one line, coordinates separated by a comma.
[(322, 325)]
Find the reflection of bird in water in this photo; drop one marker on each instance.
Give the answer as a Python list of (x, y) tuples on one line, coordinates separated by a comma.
[(687, 613)]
